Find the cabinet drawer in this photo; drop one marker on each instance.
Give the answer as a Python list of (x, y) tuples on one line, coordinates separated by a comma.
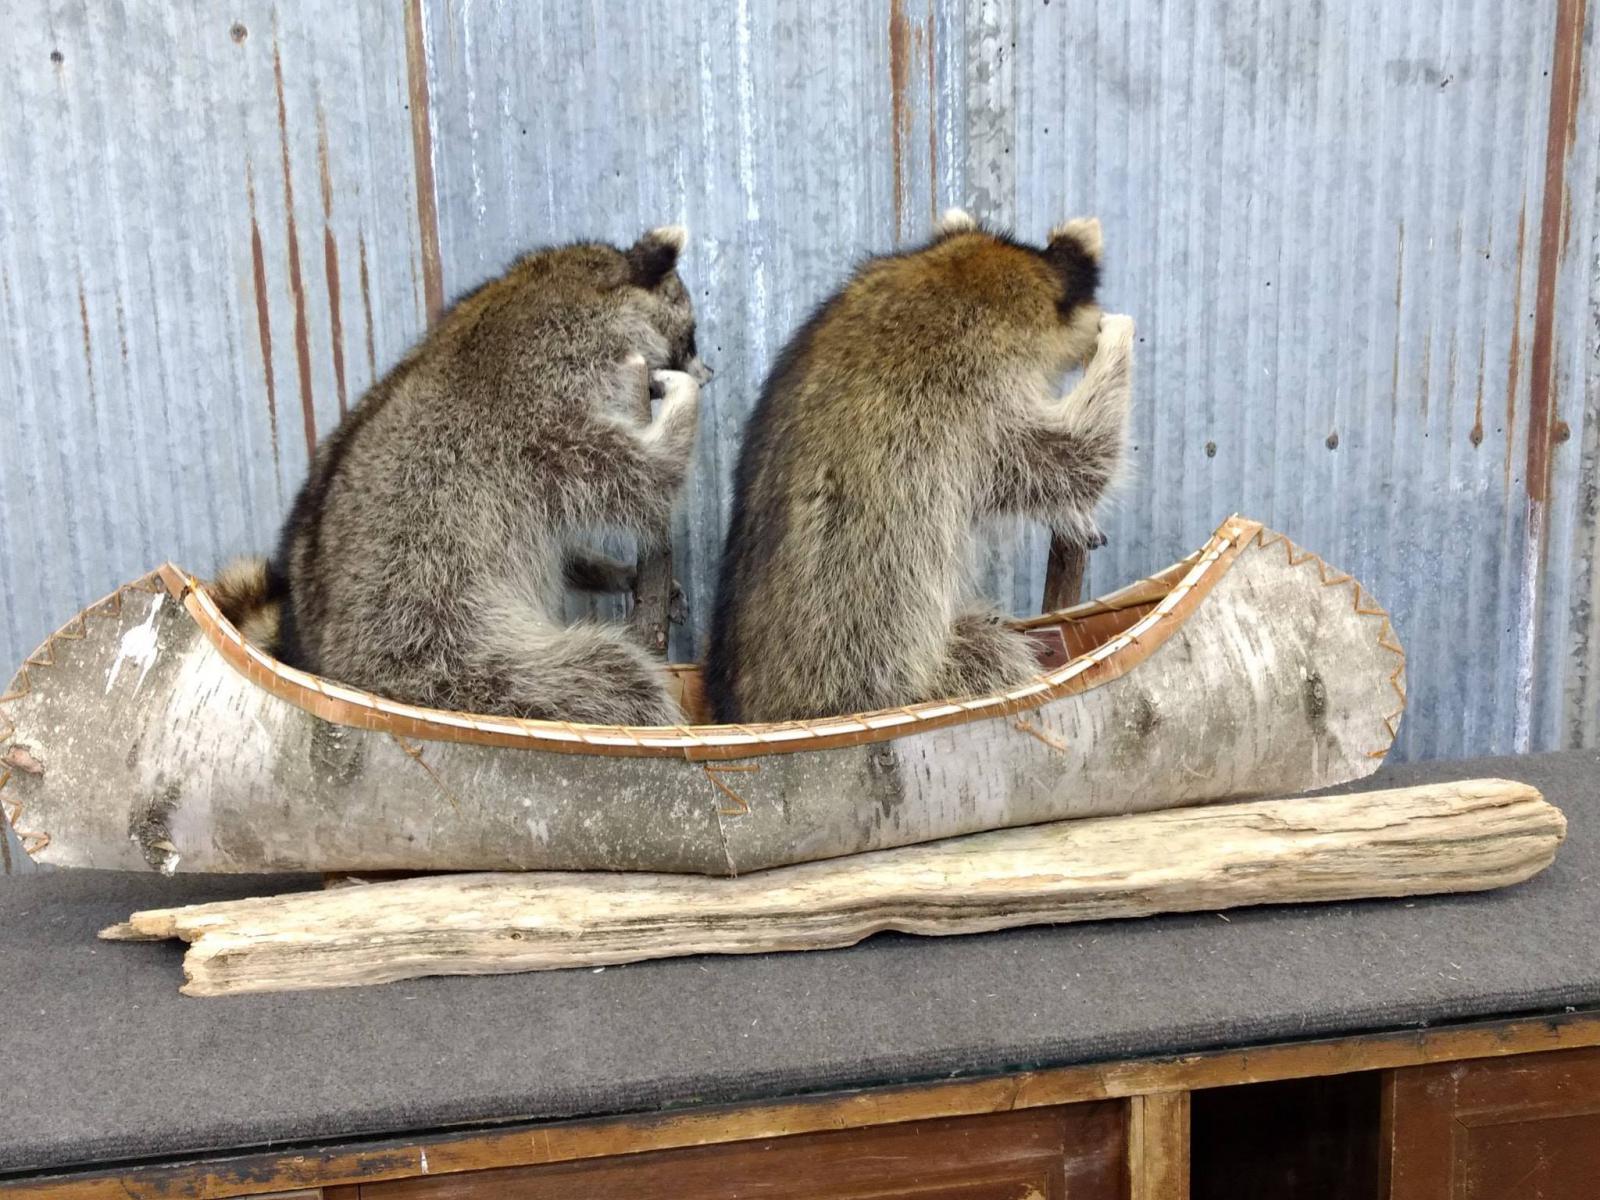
[(1496, 1129), (1069, 1153)]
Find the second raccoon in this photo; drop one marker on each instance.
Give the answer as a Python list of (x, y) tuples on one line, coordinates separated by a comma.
[(918, 400), (426, 556)]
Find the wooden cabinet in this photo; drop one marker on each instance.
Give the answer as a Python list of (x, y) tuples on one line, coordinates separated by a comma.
[(1066, 1153), (1520, 1128), (1505, 1110)]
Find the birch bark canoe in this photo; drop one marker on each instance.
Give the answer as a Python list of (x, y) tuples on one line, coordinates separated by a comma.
[(1456, 837), (147, 735)]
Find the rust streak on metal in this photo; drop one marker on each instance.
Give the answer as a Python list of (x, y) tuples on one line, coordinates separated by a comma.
[(330, 262), (1565, 77), (1566, 217), (1514, 359), (302, 340), (1427, 370), (899, 111), (1399, 302), (1476, 436), (88, 343), (324, 175), (1450, 369), (366, 305), (263, 313), (422, 156)]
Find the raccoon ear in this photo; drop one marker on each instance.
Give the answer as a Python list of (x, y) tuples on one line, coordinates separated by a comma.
[(1074, 253), (655, 254), (954, 220), (1082, 234)]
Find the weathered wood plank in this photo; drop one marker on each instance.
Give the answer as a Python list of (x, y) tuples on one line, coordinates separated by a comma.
[(1455, 837)]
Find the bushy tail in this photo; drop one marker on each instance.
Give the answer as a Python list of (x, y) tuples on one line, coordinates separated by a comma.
[(251, 594)]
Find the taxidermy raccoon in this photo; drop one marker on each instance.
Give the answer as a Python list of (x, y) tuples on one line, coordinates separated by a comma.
[(922, 398), (426, 556)]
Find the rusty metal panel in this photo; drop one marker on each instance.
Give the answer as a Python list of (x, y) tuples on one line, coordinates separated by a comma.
[(1360, 241), (208, 245), (1330, 220), (767, 128)]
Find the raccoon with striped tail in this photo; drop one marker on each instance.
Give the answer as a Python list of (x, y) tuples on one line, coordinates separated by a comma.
[(426, 557), (921, 399)]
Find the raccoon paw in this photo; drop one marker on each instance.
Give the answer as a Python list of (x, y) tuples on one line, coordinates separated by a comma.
[(675, 425), (1106, 391), (674, 385), (1115, 340)]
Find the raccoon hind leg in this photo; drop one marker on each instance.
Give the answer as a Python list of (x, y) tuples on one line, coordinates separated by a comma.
[(590, 674), (984, 655)]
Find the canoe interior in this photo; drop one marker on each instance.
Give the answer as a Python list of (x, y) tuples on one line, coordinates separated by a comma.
[(1061, 637)]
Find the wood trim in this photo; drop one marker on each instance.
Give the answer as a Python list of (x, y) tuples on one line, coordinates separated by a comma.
[(568, 1141), (1158, 1146), (333, 702)]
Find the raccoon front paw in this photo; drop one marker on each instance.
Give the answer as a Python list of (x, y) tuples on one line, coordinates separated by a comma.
[(1106, 394), (1115, 339), (675, 425), (674, 385)]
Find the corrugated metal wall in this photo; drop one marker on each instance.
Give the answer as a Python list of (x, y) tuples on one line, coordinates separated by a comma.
[(1359, 238)]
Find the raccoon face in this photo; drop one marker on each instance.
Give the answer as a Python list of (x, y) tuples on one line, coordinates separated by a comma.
[(665, 302)]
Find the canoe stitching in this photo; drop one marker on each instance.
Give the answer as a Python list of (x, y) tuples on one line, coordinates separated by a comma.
[(1367, 607)]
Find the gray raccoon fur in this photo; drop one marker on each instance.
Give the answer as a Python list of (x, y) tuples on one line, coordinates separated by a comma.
[(425, 559), (921, 399)]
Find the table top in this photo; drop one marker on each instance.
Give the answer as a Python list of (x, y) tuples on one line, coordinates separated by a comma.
[(106, 1062)]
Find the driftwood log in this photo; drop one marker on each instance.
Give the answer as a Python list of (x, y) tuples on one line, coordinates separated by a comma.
[(1458, 837)]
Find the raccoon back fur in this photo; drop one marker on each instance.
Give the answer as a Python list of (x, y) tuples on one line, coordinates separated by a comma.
[(426, 556), (922, 398)]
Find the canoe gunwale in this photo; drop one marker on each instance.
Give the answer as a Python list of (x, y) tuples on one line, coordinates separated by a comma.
[(343, 705), (1176, 592)]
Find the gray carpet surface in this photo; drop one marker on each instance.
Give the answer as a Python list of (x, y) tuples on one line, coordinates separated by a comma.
[(105, 1061)]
